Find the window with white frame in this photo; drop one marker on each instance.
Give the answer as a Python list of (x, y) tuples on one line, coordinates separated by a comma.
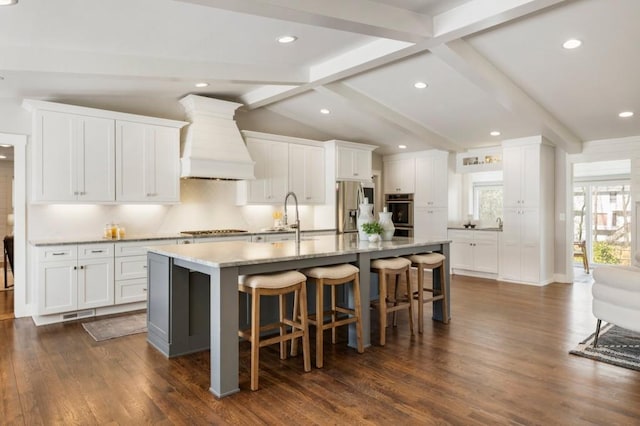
[(487, 202)]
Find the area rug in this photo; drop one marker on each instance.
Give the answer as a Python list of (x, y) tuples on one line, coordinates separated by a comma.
[(110, 328), (616, 345)]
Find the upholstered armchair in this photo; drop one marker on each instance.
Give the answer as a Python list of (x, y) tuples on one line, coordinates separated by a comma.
[(616, 296)]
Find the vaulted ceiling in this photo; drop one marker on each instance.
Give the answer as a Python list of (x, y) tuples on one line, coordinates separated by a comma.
[(488, 65)]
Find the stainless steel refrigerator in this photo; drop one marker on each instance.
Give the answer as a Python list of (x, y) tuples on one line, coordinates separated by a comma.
[(349, 195)]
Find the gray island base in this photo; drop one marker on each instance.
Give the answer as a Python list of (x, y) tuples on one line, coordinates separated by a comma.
[(193, 300)]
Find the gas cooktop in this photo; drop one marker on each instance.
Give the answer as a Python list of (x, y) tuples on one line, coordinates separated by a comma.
[(214, 232)]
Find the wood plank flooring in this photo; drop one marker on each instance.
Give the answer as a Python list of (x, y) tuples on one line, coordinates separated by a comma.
[(503, 359)]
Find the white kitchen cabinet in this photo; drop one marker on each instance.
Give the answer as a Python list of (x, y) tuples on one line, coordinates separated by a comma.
[(527, 243), (353, 163), (474, 251), (271, 170), (147, 163), (131, 270), (73, 158), (399, 175), (431, 179), (307, 173), (73, 277), (88, 155), (430, 223), (521, 175)]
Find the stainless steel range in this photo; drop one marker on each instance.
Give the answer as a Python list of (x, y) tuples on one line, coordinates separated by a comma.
[(213, 232)]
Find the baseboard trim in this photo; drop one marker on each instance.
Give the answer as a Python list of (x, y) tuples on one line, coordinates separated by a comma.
[(87, 313)]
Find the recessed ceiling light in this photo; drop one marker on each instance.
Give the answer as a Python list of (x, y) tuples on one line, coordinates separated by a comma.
[(287, 39), (203, 84), (8, 2), (420, 85), (626, 114), (402, 146), (3, 157), (495, 133), (571, 43), (324, 111)]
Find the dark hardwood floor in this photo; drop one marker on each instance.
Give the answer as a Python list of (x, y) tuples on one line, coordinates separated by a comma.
[(503, 359)]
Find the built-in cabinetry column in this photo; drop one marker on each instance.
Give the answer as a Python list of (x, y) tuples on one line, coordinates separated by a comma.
[(526, 252)]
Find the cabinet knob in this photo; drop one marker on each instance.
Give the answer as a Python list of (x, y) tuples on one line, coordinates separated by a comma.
[(144, 289), (144, 267), (75, 267)]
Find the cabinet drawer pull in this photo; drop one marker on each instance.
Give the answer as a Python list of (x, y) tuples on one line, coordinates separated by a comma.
[(59, 253), (144, 289), (144, 267), (97, 251)]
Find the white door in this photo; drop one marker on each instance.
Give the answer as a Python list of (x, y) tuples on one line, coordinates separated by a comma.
[(96, 160), (511, 248), (163, 162), (130, 161)]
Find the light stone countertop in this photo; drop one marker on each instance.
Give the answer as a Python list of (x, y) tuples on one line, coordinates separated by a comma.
[(151, 237), (240, 253), (462, 228)]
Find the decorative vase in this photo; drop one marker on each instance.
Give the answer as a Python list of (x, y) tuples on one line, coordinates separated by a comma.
[(365, 216), (374, 238), (387, 224)]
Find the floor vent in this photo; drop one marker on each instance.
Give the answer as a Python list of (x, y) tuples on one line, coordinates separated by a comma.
[(79, 314)]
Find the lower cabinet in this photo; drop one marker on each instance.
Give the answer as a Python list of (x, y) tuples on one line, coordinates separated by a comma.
[(72, 277), (474, 251)]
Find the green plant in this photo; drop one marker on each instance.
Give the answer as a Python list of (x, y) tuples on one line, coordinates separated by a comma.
[(605, 252), (372, 228)]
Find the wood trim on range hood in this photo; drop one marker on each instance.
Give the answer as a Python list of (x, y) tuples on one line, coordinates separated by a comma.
[(213, 146)]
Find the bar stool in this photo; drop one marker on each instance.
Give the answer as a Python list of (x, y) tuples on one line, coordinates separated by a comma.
[(334, 276), (392, 267), (430, 261), (279, 284)]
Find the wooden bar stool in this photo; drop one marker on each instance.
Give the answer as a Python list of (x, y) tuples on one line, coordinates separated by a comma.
[(278, 284), (334, 276), (392, 267), (430, 261)]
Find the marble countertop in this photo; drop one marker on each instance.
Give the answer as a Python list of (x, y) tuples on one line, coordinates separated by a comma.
[(462, 228), (240, 253), (151, 237)]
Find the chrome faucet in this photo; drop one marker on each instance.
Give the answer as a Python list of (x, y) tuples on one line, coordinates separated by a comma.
[(499, 220), (295, 226)]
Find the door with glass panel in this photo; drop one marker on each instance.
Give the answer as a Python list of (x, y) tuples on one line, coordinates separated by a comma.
[(602, 219)]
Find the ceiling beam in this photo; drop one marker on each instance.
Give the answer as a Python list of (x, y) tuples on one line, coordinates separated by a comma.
[(356, 16), (451, 25), (476, 68), (52, 60), (401, 121)]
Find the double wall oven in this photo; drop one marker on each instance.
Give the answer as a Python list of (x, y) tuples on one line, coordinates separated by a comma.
[(401, 207)]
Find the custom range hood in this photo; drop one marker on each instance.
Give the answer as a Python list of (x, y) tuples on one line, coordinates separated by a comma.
[(213, 146)]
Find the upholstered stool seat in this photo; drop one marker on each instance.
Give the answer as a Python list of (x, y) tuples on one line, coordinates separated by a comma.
[(279, 284), (392, 267), (432, 261), (334, 276)]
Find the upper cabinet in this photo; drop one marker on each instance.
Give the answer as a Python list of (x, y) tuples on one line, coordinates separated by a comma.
[(88, 155), (353, 161), (399, 174), (431, 183), (521, 175), (306, 173), (283, 164), (271, 170), (147, 163), (73, 158)]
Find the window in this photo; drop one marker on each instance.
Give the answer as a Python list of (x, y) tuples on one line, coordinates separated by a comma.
[(487, 202)]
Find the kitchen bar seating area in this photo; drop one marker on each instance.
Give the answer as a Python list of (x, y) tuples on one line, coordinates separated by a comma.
[(183, 278)]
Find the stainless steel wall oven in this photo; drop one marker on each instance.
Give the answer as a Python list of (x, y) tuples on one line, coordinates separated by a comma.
[(401, 208)]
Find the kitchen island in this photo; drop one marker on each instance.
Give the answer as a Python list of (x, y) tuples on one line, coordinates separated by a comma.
[(193, 301)]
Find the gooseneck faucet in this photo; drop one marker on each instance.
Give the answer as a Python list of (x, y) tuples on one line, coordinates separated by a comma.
[(296, 226), (499, 220)]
